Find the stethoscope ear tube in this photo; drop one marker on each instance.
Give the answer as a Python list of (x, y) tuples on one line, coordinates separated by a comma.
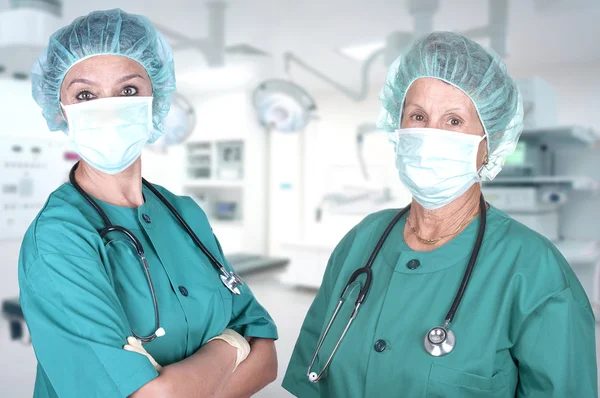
[(138, 245), (87, 197), (440, 340), (314, 377), (159, 331), (471, 265), (364, 288), (234, 281)]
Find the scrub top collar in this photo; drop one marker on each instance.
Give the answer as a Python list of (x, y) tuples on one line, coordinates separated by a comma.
[(128, 217), (457, 251)]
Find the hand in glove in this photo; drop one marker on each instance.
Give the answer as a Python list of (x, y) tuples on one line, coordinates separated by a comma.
[(135, 346)]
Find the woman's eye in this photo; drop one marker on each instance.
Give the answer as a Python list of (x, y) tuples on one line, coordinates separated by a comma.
[(418, 118), (84, 96), (455, 122), (129, 91)]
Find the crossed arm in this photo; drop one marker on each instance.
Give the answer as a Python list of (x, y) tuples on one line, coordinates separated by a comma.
[(208, 373)]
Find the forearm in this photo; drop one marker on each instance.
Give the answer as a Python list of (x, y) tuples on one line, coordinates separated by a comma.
[(205, 374), (255, 373)]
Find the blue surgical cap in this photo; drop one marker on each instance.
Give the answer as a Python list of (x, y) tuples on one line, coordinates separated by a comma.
[(479, 73), (112, 32)]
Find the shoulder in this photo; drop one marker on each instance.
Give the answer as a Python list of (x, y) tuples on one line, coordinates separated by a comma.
[(62, 217), (62, 229), (529, 246), (536, 263)]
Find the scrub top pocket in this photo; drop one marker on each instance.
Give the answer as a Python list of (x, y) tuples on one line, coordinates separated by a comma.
[(445, 382)]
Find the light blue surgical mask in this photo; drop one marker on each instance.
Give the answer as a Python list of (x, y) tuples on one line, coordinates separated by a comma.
[(110, 133), (436, 166)]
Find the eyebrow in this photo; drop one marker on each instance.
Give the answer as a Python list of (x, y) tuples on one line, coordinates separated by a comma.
[(83, 81), (129, 77), (91, 83), (460, 108), (407, 104)]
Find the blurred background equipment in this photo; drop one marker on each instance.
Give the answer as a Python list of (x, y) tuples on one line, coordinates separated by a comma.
[(362, 195), (230, 160), (423, 12), (11, 311), (29, 171), (282, 105), (178, 125), (213, 46), (25, 28)]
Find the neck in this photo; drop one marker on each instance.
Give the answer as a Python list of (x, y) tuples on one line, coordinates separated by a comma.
[(123, 189), (432, 224)]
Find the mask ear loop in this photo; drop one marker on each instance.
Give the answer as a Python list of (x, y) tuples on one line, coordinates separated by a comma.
[(486, 159), (63, 111)]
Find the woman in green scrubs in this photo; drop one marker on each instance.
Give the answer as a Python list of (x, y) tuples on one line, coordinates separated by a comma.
[(106, 81), (524, 326)]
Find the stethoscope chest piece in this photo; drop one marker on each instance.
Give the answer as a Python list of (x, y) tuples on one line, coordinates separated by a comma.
[(440, 341)]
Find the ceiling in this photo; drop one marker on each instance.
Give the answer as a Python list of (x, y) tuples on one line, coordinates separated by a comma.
[(313, 29)]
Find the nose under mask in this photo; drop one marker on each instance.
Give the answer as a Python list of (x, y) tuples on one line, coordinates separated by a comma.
[(110, 133), (437, 166)]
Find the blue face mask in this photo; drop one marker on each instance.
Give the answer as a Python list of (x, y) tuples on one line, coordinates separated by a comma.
[(110, 133), (436, 166)]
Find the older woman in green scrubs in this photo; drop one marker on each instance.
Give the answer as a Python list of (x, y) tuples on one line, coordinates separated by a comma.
[(524, 326), (106, 81)]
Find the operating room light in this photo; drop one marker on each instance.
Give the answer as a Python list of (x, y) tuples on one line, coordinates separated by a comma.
[(283, 105)]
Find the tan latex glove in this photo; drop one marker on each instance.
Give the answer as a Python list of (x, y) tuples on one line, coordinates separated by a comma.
[(236, 340), (134, 345)]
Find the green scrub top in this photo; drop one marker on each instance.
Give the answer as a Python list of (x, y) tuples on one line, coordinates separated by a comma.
[(82, 295), (524, 328)]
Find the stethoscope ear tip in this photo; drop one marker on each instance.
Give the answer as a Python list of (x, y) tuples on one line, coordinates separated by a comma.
[(313, 377), (160, 332)]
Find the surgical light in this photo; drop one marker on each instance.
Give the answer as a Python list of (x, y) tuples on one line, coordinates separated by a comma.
[(283, 106)]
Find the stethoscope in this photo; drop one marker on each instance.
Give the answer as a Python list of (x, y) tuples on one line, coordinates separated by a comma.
[(230, 279), (440, 340)]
